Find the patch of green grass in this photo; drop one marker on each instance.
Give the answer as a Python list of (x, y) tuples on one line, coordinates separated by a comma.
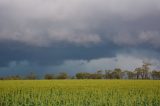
[(80, 93)]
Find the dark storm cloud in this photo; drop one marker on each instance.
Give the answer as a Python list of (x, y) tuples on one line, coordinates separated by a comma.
[(52, 31), (14, 51)]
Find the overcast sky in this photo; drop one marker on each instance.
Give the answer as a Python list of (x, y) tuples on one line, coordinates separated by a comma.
[(48, 36)]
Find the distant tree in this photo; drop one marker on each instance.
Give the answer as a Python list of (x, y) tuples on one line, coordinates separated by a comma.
[(73, 77), (108, 74), (155, 74), (145, 70), (17, 77), (123, 74), (1, 78), (31, 76), (86, 75), (137, 72), (82, 75), (117, 73), (13, 77), (49, 76), (62, 75), (94, 76), (99, 74), (130, 74)]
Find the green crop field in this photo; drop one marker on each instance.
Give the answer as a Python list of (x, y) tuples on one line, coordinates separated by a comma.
[(80, 93)]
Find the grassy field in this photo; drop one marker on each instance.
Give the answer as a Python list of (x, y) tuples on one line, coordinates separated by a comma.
[(80, 93)]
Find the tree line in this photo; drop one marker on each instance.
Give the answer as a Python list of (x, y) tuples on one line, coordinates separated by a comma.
[(139, 73)]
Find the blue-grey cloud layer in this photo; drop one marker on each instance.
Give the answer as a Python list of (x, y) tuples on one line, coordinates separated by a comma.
[(52, 31)]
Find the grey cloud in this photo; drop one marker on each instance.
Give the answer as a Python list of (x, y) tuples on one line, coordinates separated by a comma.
[(140, 38), (49, 32), (123, 61), (41, 23), (56, 54)]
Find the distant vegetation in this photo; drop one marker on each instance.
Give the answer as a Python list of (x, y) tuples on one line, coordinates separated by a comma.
[(143, 72)]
